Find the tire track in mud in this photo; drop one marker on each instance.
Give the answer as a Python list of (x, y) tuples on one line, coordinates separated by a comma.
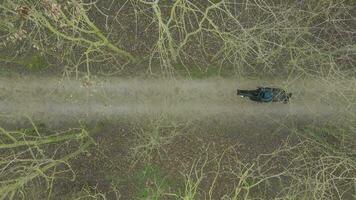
[(58, 101)]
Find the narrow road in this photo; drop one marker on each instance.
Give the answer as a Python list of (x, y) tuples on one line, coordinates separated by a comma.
[(55, 100)]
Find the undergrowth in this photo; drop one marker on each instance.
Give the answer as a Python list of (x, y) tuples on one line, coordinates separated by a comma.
[(302, 168), (246, 37), (32, 159)]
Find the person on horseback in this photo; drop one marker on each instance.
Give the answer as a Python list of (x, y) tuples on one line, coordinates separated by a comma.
[(266, 94)]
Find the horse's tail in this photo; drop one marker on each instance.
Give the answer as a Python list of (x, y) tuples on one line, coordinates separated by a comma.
[(246, 93)]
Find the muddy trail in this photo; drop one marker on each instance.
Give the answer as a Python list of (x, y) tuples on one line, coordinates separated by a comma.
[(57, 101)]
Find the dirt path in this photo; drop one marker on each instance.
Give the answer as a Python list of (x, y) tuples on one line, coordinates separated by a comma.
[(55, 101)]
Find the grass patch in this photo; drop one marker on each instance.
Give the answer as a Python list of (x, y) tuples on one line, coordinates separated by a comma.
[(151, 183)]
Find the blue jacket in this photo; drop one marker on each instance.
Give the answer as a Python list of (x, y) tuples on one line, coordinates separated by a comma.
[(265, 94)]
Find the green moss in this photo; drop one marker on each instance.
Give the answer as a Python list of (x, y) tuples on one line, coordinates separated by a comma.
[(151, 183), (35, 62), (208, 71)]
